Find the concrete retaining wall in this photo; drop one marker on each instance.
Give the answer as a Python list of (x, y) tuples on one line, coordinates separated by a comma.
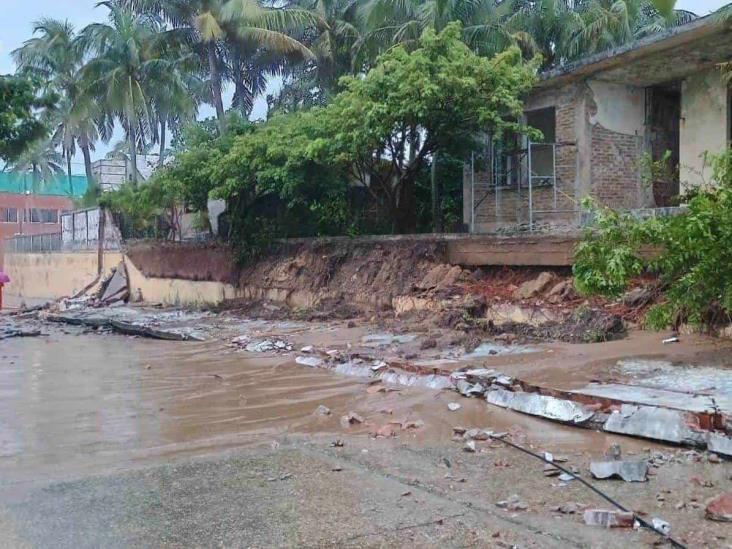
[(53, 275), (178, 291), (298, 275)]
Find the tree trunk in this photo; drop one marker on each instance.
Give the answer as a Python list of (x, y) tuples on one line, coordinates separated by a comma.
[(87, 161), (405, 209), (161, 158), (68, 172), (216, 98), (132, 131)]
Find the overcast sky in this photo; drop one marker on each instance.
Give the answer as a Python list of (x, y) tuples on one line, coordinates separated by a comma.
[(18, 16)]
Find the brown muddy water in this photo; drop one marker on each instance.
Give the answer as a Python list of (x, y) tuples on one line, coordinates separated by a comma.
[(73, 404), (77, 401)]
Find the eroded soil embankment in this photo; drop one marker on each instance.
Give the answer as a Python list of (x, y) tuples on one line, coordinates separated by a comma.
[(414, 279)]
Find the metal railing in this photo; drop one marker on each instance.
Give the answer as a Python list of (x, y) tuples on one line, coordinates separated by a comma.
[(34, 243)]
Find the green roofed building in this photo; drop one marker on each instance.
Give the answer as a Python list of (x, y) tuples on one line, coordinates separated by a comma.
[(29, 207), (60, 185)]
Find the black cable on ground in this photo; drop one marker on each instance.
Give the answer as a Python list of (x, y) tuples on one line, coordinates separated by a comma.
[(641, 521)]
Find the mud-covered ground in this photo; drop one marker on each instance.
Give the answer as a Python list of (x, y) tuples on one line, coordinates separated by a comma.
[(110, 440)]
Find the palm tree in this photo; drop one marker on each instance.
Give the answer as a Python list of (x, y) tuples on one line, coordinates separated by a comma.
[(126, 65), (54, 55), (338, 29), (611, 23), (544, 27), (403, 21), (41, 160), (660, 15), (209, 27)]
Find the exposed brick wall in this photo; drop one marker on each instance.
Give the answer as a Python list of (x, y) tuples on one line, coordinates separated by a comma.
[(509, 207), (611, 160), (615, 168)]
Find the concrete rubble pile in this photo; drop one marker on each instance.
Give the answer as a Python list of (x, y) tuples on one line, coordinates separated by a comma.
[(665, 424), (170, 325)]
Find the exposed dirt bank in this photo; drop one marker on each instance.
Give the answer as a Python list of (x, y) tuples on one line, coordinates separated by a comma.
[(414, 281)]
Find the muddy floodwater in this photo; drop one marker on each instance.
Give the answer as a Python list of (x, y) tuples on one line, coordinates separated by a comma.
[(70, 404)]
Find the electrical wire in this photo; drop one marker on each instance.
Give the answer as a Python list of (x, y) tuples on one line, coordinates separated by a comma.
[(641, 521)]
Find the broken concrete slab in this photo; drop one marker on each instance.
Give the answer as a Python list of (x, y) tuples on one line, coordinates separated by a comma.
[(351, 418), (629, 471), (117, 287), (7, 333), (310, 361), (383, 340), (653, 423), (490, 348), (267, 346), (143, 330), (468, 389), (719, 444), (649, 396), (565, 411), (534, 287), (129, 321)]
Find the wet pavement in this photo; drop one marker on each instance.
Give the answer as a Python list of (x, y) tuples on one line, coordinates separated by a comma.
[(107, 440)]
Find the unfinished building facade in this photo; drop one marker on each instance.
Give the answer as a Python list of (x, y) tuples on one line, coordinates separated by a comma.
[(628, 127)]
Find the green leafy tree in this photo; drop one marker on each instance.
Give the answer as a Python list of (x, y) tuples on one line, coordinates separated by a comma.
[(23, 115), (387, 124)]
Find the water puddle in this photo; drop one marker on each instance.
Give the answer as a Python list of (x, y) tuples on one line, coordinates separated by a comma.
[(489, 348), (383, 340)]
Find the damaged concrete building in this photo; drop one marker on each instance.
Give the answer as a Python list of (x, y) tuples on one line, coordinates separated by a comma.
[(603, 119)]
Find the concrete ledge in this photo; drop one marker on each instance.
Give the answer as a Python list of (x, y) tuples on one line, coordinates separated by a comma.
[(520, 251)]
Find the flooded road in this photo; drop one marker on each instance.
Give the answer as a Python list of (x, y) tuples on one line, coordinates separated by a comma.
[(73, 404), (114, 441), (68, 403)]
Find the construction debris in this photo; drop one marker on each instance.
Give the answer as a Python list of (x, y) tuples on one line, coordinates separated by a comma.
[(263, 345), (534, 287), (719, 444), (719, 509), (322, 410), (661, 526), (10, 332), (513, 503), (351, 418), (608, 519), (116, 288), (565, 411), (654, 423), (453, 406), (311, 361), (629, 471)]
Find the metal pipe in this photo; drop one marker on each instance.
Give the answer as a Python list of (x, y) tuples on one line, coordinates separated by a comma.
[(531, 194), (554, 174), (472, 192)]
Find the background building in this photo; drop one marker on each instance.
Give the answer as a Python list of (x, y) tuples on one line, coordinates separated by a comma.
[(30, 209)]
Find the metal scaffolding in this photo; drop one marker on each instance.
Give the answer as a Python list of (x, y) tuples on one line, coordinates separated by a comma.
[(518, 170)]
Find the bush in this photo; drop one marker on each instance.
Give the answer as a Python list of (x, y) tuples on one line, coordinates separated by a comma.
[(694, 259)]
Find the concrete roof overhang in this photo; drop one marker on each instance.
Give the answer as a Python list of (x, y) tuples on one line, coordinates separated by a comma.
[(664, 57)]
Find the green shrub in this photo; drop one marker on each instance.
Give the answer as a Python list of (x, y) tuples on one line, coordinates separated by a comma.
[(694, 260)]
